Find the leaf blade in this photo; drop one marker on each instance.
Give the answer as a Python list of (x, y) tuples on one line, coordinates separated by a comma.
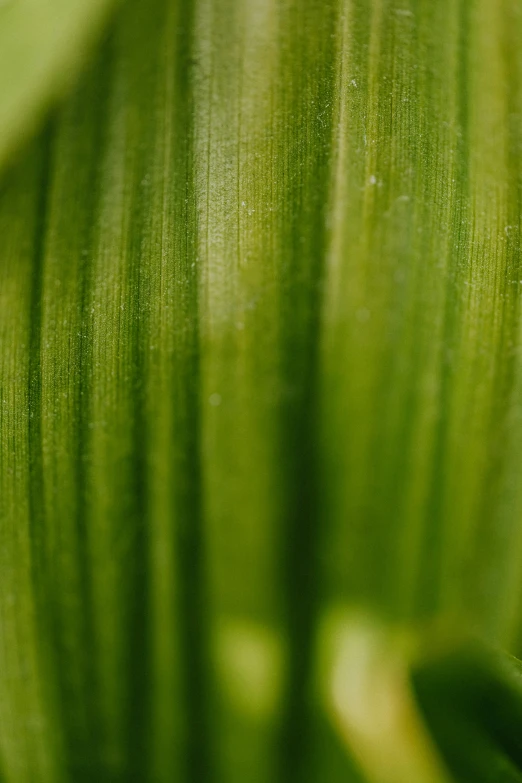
[(42, 45)]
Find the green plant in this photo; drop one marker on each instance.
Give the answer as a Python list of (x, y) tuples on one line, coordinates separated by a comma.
[(260, 390)]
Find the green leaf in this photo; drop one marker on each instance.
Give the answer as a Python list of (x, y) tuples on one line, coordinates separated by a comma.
[(472, 702), (259, 356), (420, 371), (42, 45), (434, 707)]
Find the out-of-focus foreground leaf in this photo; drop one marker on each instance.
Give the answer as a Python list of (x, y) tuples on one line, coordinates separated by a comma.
[(434, 708), (260, 356), (42, 45)]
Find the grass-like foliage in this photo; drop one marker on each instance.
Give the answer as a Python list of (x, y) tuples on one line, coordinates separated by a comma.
[(260, 391)]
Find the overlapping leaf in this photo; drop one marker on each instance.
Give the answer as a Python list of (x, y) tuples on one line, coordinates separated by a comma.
[(42, 45)]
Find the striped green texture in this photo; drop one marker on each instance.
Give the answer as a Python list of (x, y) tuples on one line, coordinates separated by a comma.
[(421, 327), (259, 362)]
